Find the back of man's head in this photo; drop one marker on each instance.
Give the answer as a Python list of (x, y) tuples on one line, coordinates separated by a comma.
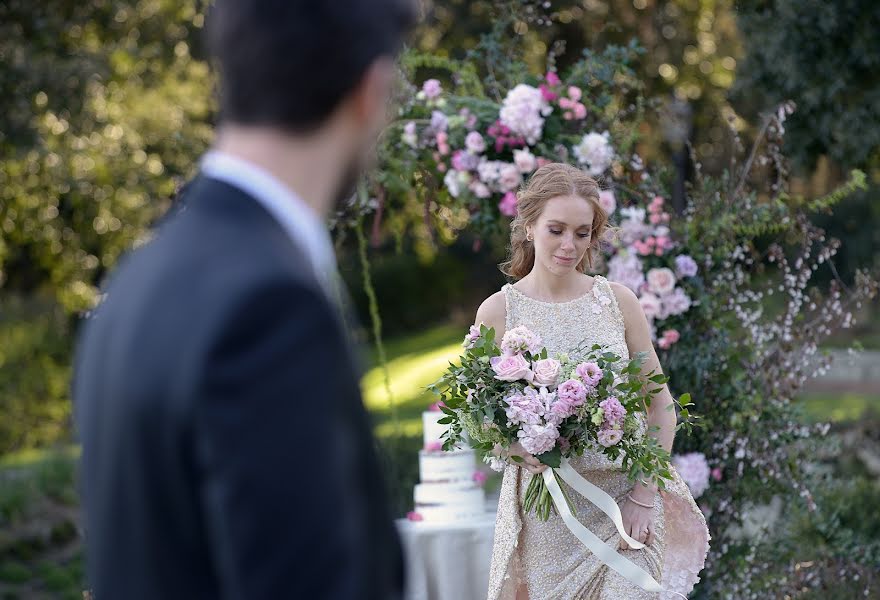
[(289, 63)]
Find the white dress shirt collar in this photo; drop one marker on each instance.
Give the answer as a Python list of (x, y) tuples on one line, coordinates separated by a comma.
[(298, 219)]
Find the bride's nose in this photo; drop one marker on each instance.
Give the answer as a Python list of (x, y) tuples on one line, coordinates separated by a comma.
[(567, 242)]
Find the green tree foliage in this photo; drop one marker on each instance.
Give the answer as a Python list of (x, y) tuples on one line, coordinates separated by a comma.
[(825, 56), (104, 108)]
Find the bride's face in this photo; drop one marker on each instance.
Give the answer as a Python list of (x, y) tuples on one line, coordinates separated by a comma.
[(562, 234)]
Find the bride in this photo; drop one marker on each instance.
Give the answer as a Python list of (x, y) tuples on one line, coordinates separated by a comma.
[(553, 241)]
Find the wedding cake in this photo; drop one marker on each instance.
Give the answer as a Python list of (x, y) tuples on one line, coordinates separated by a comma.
[(451, 487)]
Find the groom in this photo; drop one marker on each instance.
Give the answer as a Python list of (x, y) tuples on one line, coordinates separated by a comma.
[(226, 451)]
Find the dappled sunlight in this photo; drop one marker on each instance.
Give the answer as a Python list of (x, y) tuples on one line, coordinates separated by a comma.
[(410, 375)]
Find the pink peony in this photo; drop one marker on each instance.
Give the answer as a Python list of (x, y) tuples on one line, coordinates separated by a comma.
[(520, 339), (613, 410), (475, 143), (432, 89), (626, 270), (508, 205), (546, 372), (509, 178), (561, 410), (607, 201), (694, 470), (676, 303), (661, 281), (538, 439), (511, 367), (524, 160), (479, 189), (590, 373), (609, 437), (573, 392)]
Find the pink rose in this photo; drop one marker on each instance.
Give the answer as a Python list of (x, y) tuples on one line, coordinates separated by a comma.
[(651, 305), (607, 201), (524, 160), (580, 111), (716, 473), (552, 78), (479, 477), (507, 205), (546, 372), (672, 335), (609, 437), (414, 516), (511, 367), (574, 93), (434, 446), (509, 178), (436, 406), (661, 281)]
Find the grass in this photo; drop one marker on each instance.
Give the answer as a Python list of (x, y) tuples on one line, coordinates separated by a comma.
[(414, 362), (840, 407)]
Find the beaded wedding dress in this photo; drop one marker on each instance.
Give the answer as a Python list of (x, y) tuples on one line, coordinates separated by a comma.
[(546, 556)]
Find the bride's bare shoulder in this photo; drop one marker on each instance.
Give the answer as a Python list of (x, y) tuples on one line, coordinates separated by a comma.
[(493, 312)]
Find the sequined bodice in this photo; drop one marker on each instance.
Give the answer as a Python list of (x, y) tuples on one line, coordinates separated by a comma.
[(594, 318)]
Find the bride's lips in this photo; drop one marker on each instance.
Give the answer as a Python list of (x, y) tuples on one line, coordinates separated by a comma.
[(563, 260)]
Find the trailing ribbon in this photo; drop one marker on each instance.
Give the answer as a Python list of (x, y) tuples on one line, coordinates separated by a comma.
[(608, 555)]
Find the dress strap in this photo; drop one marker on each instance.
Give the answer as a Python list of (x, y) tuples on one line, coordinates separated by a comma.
[(605, 288), (509, 304)]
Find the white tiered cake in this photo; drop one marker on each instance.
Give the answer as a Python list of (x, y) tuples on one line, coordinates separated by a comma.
[(449, 492)]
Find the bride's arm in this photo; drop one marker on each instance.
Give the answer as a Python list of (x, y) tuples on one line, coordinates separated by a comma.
[(493, 313), (638, 339)]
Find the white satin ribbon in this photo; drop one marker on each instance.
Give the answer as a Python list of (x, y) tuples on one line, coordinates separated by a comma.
[(630, 571)]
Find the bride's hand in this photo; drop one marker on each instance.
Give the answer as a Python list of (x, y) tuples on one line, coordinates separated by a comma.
[(638, 522), (530, 463)]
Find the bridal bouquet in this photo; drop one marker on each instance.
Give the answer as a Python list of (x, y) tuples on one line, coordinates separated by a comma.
[(555, 407)]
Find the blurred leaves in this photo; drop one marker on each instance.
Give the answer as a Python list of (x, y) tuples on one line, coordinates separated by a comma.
[(103, 110)]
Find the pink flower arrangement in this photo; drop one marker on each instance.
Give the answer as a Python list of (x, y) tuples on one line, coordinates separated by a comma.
[(694, 470)]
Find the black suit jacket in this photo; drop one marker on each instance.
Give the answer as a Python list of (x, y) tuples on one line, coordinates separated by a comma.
[(226, 450)]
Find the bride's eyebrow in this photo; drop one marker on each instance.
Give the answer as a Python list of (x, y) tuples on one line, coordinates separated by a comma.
[(558, 222)]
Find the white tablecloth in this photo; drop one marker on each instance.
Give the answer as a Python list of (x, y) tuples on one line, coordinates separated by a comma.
[(447, 562)]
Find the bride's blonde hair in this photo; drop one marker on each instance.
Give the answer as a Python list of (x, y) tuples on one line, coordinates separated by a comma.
[(551, 181)]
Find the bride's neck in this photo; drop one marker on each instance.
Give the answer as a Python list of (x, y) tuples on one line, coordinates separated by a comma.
[(550, 287)]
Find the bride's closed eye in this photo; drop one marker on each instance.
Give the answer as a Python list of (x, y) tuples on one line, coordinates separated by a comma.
[(583, 236)]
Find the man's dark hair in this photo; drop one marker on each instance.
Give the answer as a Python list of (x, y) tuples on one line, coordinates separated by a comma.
[(289, 63)]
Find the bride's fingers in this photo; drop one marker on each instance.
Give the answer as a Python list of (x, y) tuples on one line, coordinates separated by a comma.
[(650, 537)]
